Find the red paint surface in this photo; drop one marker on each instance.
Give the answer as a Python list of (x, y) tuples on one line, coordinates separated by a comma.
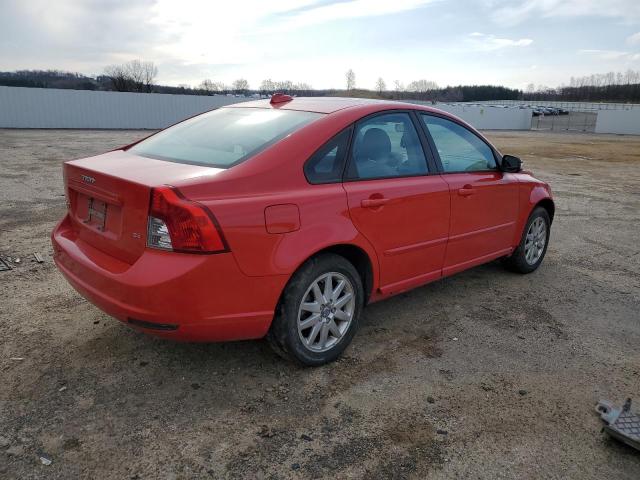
[(413, 229)]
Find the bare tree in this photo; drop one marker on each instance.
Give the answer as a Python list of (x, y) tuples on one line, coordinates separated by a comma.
[(240, 86), (267, 86), (422, 86), (149, 74), (283, 86), (141, 74), (211, 87), (351, 79), (119, 77), (398, 86), (144, 74), (381, 86), (133, 76)]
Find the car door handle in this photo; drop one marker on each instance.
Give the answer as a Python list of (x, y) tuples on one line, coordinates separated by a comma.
[(466, 191), (374, 202)]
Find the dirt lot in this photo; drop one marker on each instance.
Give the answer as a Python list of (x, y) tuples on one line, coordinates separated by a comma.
[(487, 374)]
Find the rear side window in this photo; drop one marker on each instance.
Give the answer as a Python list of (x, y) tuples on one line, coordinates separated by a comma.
[(460, 149), (224, 137), (327, 164), (386, 146)]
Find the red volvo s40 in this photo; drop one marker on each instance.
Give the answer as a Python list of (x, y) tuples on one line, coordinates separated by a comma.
[(284, 218)]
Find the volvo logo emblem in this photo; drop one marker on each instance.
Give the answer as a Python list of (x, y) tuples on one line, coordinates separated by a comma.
[(87, 179)]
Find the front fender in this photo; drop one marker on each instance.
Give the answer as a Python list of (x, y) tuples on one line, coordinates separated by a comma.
[(532, 193)]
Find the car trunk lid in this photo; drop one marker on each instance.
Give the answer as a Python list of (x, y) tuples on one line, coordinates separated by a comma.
[(108, 198)]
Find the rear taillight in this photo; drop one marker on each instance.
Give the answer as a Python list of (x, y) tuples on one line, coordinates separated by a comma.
[(182, 225)]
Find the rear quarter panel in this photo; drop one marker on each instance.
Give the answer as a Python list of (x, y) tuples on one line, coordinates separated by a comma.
[(324, 222), (239, 197)]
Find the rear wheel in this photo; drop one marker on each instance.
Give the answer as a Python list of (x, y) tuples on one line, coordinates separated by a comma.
[(533, 244), (318, 314)]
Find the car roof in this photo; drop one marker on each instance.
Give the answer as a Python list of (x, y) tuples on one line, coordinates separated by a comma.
[(323, 104)]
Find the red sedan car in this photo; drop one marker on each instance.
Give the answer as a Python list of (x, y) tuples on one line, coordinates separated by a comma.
[(284, 218)]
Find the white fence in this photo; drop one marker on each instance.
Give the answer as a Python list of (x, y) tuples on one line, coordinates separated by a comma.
[(490, 118), (55, 108), (618, 121), (486, 117), (570, 106)]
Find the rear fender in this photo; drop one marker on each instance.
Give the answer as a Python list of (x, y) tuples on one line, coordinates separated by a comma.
[(324, 222)]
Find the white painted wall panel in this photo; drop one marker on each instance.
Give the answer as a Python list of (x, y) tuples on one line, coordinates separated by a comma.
[(618, 121), (571, 106), (55, 108), (492, 118), (488, 118)]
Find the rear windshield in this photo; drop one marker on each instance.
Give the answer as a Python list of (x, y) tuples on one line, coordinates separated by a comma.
[(224, 137)]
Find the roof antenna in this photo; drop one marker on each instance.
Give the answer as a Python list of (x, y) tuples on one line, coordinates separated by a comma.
[(278, 98)]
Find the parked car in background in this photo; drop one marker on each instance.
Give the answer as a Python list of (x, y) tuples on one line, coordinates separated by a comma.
[(284, 218)]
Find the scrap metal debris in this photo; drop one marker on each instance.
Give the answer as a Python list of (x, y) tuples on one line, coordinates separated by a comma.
[(622, 424), (38, 257), (4, 265)]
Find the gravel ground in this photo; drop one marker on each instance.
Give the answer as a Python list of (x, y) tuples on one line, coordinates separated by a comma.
[(487, 374)]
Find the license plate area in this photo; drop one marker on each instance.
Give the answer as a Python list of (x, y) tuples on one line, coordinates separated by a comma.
[(96, 214)]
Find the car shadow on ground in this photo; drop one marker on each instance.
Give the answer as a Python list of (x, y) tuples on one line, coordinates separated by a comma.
[(415, 317), (470, 280)]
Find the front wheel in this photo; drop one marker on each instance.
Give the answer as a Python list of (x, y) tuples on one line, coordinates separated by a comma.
[(319, 311), (529, 254)]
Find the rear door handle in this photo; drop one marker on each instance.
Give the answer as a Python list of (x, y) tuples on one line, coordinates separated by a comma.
[(374, 202), (466, 191)]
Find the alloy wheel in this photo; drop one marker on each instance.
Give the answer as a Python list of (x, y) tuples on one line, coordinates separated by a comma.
[(326, 311), (535, 241)]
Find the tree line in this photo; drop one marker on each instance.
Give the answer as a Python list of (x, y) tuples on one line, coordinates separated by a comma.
[(140, 76), (610, 86)]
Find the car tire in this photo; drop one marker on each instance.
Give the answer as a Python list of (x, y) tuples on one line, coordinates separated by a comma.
[(311, 326), (529, 254)]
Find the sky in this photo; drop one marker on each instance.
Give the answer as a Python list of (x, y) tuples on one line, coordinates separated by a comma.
[(512, 43)]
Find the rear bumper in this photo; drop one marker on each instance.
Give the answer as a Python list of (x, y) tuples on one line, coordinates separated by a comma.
[(173, 295)]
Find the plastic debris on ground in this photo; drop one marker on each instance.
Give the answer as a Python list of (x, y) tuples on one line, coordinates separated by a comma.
[(621, 423)]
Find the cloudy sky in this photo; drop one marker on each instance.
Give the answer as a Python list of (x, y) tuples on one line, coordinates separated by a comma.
[(513, 43)]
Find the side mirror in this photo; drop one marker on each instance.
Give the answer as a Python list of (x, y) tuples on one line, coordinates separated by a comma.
[(511, 164)]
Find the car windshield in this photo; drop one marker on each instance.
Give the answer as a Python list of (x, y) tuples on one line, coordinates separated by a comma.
[(224, 137)]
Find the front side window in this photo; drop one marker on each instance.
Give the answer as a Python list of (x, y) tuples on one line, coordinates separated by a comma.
[(327, 164), (224, 137), (386, 146), (460, 150)]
